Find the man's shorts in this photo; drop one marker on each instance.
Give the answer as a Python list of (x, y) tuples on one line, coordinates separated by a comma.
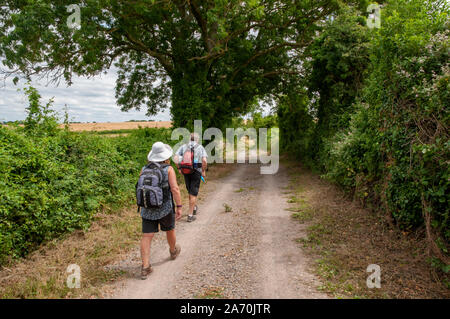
[(192, 182), (151, 226)]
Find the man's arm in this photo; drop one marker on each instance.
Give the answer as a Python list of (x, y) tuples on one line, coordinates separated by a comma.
[(204, 161), (176, 159), (177, 156), (204, 166)]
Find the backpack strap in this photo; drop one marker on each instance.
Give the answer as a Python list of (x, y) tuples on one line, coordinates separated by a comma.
[(193, 148), (199, 164), (165, 185), (162, 168), (168, 190)]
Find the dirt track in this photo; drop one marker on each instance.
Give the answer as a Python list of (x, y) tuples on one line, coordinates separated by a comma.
[(249, 252)]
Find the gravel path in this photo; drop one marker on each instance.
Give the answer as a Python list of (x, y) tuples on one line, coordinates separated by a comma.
[(249, 252)]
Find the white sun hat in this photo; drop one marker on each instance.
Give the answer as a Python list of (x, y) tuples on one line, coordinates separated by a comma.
[(160, 152)]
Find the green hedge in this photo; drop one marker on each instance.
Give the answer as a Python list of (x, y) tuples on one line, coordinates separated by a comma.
[(379, 103), (53, 183), (396, 149)]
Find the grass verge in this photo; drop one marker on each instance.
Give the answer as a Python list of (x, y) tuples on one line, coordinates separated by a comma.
[(114, 232), (343, 239)]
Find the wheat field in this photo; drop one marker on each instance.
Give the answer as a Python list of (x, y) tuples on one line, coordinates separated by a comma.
[(110, 126)]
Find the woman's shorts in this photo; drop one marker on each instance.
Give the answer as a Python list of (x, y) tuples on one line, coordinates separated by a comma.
[(192, 182), (151, 226)]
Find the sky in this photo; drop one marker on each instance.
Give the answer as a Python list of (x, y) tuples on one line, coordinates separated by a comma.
[(87, 100)]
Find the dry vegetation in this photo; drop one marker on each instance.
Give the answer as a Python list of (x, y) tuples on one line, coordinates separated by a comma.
[(345, 238), (113, 234), (116, 126)]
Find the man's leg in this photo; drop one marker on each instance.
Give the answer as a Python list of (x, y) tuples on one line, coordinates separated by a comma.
[(145, 248), (192, 203), (193, 193)]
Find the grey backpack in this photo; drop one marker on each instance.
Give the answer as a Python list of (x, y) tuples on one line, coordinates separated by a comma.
[(151, 190)]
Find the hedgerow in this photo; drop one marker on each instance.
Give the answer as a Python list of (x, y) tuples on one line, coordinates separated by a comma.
[(380, 101), (396, 149), (53, 181)]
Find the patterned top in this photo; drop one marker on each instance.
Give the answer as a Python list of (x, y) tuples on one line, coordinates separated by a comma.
[(167, 206)]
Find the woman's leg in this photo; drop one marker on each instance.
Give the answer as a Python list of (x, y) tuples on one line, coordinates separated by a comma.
[(171, 239), (145, 248)]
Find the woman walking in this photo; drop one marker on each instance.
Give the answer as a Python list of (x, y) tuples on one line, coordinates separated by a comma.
[(165, 215)]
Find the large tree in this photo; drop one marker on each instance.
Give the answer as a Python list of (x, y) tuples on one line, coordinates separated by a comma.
[(211, 59), (336, 72)]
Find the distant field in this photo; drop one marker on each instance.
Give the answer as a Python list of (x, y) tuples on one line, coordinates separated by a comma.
[(116, 126)]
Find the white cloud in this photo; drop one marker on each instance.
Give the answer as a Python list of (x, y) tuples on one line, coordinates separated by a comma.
[(87, 100)]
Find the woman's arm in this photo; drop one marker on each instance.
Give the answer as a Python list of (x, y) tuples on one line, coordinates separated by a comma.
[(175, 191)]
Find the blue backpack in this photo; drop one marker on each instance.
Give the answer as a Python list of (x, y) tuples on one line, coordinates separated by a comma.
[(151, 190)]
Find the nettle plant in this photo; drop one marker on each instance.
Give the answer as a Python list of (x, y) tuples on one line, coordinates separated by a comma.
[(41, 119)]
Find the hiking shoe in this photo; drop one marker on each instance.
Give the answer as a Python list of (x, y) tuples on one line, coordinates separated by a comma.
[(195, 210), (145, 272), (191, 218), (174, 255)]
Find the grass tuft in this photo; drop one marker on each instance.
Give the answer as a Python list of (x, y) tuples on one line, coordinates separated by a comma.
[(227, 207)]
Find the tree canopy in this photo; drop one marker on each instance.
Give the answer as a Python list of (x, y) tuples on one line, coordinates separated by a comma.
[(208, 59)]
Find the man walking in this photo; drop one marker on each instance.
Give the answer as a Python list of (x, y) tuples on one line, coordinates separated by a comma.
[(192, 177)]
